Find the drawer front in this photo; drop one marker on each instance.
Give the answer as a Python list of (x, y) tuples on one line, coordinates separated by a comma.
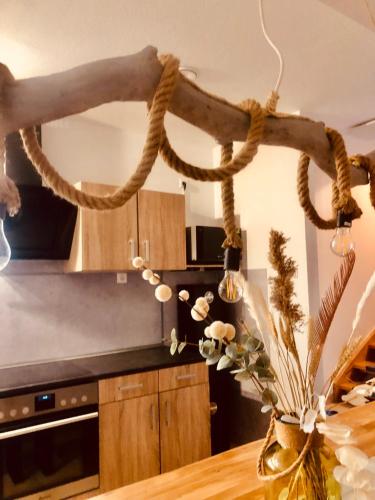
[(128, 386), (182, 376)]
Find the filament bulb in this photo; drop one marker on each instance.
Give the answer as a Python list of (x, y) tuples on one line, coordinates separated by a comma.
[(4, 245), (342, 242), (230, 289)]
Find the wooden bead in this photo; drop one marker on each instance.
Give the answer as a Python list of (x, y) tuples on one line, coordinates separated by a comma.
[(137, 262), (198, 314), (154, 280), (202, 302), (184, 295), (147, 274), (163, 293)]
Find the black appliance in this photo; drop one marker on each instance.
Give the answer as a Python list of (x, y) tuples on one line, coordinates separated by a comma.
[(221, 383), (204, 245), (44, 227), (49, 442)]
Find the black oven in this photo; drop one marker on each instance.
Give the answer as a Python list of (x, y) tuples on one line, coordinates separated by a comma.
[(49, 443)]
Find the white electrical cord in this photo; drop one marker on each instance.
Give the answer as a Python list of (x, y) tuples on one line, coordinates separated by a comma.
[(278, 53)]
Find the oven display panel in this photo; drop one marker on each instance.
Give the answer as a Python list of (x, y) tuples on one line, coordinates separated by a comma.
[(44, 402)]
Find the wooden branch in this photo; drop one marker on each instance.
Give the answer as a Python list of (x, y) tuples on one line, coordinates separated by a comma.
[(134, 78)]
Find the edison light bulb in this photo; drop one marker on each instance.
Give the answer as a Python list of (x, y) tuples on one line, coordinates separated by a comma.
[(342, 242), (230, 289), (4, 245)]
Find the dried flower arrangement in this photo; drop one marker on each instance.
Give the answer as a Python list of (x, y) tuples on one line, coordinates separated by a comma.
[(268, 356)]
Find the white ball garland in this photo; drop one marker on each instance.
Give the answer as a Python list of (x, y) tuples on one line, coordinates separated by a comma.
[(202, 302), (154, 280), (137, 262), (218, 330), (147, 274), (230, 331), (198, 314), (184, 295), (163, 293)]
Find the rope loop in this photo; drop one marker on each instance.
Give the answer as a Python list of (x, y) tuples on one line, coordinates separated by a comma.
[(260, 462), (65, 190), (364, 162), (341, 192), (235, 165)]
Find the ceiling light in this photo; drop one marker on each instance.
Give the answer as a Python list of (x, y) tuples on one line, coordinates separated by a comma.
[(189, 73)]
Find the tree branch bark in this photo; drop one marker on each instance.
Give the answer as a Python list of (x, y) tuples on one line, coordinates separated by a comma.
[(135, 77)]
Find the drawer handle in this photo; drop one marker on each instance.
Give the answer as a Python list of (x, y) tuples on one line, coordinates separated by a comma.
[(129, 387), (146, 246), (132, 249), (185, 377)]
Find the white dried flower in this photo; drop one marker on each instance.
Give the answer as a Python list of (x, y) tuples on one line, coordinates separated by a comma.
[(184, 295), (163, 293), (155, 279), (147, 274), (207, 332), (217, 330), (307, 423), (230, 331), (137, 262)]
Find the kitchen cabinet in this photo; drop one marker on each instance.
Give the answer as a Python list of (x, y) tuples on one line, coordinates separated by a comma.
[(150, 224), (161, 219), (152, 422), (184, 416), (128, 429)]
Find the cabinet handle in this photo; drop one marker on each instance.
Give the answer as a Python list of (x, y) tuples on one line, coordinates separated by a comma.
[(132, 249), (166, 413), (152, 416), (185, 377), (146, 247), (129, 387)]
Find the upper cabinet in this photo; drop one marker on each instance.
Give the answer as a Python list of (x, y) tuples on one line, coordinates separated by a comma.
[(161, 229), (150, 224)]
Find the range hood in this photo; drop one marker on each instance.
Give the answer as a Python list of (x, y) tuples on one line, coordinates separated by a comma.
[(44, 227)]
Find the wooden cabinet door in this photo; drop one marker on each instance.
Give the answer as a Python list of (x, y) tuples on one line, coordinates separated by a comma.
[(161, 221), (129, 441), (184, 426), (104, 240)]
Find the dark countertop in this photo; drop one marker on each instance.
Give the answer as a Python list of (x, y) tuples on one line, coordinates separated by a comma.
[(42, 376)]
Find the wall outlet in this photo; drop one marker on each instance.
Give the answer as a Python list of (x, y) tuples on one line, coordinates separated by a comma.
[(122, 278)]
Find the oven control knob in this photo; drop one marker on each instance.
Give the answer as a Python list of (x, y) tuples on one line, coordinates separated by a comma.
[(2, 415), (13, 412), (84, 398), (73, 401), (25, 410), (63, 402)]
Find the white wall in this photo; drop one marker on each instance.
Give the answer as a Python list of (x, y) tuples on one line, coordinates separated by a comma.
[(266, 198), (327, 263), (84, 149)]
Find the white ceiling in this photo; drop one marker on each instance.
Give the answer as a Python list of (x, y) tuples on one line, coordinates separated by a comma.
[(329, 57)]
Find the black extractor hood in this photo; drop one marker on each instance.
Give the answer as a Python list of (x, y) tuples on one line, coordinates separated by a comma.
[(44, 227)]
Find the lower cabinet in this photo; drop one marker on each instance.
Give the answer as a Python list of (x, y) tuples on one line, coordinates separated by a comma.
[(129, 441), (152, 422), (184, 426)]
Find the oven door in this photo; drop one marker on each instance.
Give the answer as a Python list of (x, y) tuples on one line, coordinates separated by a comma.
[(40, 454)]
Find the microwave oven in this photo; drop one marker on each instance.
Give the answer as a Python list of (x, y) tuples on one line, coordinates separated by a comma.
[(204, 245)]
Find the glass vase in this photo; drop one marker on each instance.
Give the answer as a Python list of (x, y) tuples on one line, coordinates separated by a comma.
[(313, 479)]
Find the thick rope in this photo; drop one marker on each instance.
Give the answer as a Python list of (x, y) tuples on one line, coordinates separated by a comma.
[(360, 161), (341, 192), (233, 239), (64, 189), (260, 462), (235, 165)]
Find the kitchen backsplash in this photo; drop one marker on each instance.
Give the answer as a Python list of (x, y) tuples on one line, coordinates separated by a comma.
[(48, 315)]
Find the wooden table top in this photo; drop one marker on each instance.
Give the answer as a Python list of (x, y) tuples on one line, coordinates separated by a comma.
[(232, 474)]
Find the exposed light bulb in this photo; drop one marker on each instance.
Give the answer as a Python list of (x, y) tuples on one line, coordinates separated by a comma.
[(230, 288), (4, 245), (342, 242)]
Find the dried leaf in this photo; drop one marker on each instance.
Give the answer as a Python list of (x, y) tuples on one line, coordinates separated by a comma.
[(173, 348), (181, 347), (224, 362)]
